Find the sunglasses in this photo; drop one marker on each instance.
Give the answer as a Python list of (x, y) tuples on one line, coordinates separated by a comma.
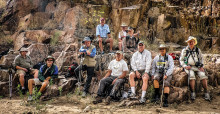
[(162, 49), (49, 60), (141, 45)]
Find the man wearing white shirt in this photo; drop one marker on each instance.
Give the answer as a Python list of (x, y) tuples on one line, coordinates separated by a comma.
[(121, 36), (117, 70), (140, 64)]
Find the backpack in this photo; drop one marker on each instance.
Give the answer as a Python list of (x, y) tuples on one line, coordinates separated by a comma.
[(71, 70), (38, 65)]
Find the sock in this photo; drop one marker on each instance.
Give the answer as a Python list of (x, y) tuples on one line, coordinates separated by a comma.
[(133, 90), (157, 91), (143, 94), (22, 87), (166, 96)]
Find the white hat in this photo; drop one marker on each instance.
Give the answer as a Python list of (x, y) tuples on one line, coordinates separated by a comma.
[(123, 25), (192, 38), (23, 49)]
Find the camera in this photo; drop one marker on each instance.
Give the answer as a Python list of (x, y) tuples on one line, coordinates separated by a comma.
[(198, 64), (82, 55), (161, 70)]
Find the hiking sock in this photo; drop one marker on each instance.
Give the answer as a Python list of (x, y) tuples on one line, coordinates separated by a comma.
[(143, 94), (22, 87), (166, 96), (133, 90), (157, 90)]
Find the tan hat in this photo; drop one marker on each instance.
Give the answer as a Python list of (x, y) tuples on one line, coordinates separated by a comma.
[(23, 49), (141, 42), (163, 46), (120, 52), (123, 25), (50, 57), (192, 38)]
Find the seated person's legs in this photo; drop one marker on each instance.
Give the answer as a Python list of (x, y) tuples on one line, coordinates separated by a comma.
[(145, 78), (132, 76), (116, 87), (204, 78), (156, 87), (110, 40), (166, 90), (100, 44)]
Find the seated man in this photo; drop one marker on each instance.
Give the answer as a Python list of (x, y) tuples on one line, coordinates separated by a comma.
[(89, 51), (103, 34), (192, 62), (117, 70), (24, 66), (162, 68), (46, 73), (140, 64), (130, 41), (121, 36)]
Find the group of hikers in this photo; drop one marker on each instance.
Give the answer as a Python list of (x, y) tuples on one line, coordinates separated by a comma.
[(159, 70)]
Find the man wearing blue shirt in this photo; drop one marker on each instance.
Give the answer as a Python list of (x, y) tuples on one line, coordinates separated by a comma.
[(103, 34), (89, 51)]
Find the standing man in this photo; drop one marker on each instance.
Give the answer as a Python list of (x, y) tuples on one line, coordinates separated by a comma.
[(103, 34), (162, 69), (47, 72), (117, 70), (89, 52), (24, 65), (192, 61), (140, 64), (121, 36)]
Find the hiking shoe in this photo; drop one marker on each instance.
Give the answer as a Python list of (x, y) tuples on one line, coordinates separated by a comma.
[(165, 103), (84, 94), (30, 98), (142, 100), (133, 96), (193, 95), (97, 100), (207, 97), (107, 100)]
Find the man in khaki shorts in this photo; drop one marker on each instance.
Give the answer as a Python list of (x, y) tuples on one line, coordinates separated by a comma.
[(47, 72), (140, 64), (192, 61), (24, 65)]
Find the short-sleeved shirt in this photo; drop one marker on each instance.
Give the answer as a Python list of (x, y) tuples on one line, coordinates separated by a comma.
[(23, 62), (122, 33), (117, 67), (102, 30)]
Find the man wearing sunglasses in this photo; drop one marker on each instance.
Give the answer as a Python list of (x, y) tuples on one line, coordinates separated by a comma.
[(117, 70), (140, 64), (46, 73), (162, 69)]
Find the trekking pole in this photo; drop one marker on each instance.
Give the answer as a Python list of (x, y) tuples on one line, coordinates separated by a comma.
[(10, 82), (161, 97)]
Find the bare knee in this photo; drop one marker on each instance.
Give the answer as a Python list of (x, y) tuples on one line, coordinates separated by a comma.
[(145, 79), (21, 76), (131, 75)]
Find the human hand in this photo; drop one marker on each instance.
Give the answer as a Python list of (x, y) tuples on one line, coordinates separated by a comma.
[(165, 77), (88, 52), (24, 69), (201, 69), (114, 81), (188, 67), (138, 74)]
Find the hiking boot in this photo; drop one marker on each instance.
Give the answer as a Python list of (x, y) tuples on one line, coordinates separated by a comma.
[(193, 96), (84, 94), (97, 100), (142, 100), (133, 96), (207, 97), (165, 103), (156, 98), (30, 98), (107, 100)]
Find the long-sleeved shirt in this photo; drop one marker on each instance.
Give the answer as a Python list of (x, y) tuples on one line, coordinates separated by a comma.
[(45, 72), (158, 63), (102, 30), (190, 57), (141, 61), (92, 53)]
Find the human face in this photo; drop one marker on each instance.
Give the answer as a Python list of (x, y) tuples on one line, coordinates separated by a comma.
[(49, 62), (191, 43), (162, 51), (23, 53), (118, 56), (141, 47), (102, 22), (123, 28), (87, 43)]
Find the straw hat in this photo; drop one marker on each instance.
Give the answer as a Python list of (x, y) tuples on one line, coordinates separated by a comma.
[(192, 38)]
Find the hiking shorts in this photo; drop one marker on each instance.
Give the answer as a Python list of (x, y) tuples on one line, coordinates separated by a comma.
[(19, 72), (196, 70), (159, 77), (38, 82)]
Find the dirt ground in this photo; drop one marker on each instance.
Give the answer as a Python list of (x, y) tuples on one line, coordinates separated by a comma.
[(75, 104)]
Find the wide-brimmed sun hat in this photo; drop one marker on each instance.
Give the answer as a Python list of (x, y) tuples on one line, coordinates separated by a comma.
[(192, 38)]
